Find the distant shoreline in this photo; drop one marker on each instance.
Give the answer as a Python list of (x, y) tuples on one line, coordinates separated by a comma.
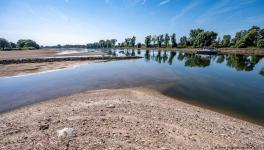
[(242, 51)]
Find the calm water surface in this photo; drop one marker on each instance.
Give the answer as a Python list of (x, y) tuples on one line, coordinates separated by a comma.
[(233, 84)]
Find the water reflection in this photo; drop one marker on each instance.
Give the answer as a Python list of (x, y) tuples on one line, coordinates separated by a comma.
[(262, 71), (238, 62), (172, 55)]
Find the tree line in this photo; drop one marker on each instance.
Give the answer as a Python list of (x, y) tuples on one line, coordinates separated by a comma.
[(198, 38), (20, 45)]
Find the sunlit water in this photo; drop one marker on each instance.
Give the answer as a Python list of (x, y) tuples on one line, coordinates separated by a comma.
[(233, 84)]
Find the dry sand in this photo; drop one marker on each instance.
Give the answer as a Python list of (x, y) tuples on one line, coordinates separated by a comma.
[(18, 69), (124, 119), (40, 53), (28, 68)]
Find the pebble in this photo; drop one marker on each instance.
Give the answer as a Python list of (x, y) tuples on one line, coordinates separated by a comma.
[(66, 133), (110, 106)]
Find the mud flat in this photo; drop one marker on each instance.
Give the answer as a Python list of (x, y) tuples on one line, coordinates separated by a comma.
[(136, 118)]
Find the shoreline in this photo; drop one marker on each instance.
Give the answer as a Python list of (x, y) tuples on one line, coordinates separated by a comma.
[(137, 118), (241, 51)]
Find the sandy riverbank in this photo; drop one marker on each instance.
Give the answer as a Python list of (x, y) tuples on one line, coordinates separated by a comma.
[(41, 53), (126, 118), (28, 68), (18, 69)]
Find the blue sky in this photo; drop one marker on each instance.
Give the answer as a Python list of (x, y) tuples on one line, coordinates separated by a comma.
[(51, 22)]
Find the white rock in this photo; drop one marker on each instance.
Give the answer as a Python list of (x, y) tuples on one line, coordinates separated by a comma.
[(66, 133), (110, 106)]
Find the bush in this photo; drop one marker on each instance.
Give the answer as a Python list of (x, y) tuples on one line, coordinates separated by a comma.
[(260, 43)]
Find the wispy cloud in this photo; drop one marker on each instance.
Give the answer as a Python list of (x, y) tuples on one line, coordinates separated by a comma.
[(186, 9), (221, 7), (255, 19), (163, 2)]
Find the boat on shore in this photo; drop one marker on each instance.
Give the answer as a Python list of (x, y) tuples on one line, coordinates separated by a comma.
[(207, 51)]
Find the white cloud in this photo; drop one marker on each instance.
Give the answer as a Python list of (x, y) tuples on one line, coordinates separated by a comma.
[(163, 2)]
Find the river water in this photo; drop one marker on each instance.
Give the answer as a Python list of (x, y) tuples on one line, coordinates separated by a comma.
[(231, 84)]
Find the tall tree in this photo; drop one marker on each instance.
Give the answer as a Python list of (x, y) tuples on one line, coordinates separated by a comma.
[(204, 39), (127, 41), (3, 43), (133, 41), (173, 40), (226, 41), (160, 40), (183, 42), (113, 42), (194, 33), (166, 40), (148, 41), (154, 40)]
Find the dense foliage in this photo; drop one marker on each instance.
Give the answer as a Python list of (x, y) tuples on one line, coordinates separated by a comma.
[(199, 38), (21, 44)]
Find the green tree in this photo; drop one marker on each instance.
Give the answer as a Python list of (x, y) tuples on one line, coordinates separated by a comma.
[(27, 44), (183, 42), (260, 43), (194, 33), (160, 40), (3, 43), (204, 39), (133, 41), (139, 45), (13, 45), (166, 40), (173, 40), (226, 41), (154, 40), (127, 41), (148, 41), (113, 42)]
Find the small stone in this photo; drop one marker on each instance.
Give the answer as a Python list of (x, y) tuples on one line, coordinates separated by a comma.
[(66, 133), (110, 106)]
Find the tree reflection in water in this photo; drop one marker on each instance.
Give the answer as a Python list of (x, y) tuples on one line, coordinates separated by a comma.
[(193, 60), (133, 53), (239, 62), (262, 72), (172, 55), (158, 57), (220, 59), (242, 63), (138, 51), (165, 56), (147, 56)]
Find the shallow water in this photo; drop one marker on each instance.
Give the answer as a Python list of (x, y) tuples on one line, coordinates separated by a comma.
[(233, 84)]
